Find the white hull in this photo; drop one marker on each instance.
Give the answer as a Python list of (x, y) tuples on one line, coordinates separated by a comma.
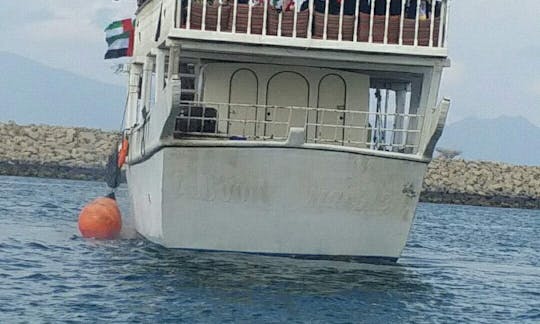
[(276, 200)]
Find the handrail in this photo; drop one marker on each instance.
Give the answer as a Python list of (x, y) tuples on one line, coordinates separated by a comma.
[(322, 125), (418, 26)]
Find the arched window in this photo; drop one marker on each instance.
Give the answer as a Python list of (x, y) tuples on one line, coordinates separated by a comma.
[(285, 89), (243, 91), (332, 94)]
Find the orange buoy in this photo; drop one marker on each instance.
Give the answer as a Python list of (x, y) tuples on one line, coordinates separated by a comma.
[(100, 219)]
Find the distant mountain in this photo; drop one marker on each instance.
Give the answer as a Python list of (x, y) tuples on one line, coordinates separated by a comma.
[(513, 140), (31, 92)]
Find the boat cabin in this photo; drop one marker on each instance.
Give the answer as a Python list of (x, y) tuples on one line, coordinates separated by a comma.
[(356, 73)]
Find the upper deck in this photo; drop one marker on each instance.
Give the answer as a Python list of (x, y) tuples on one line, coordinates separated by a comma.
[(402, 27)]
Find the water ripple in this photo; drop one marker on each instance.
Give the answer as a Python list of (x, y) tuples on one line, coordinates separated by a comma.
[(461, 264)]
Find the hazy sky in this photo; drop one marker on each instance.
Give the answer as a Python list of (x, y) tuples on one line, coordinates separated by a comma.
[(494, 48)]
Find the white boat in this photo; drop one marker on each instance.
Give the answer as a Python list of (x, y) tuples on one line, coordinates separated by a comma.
[(304, 132)]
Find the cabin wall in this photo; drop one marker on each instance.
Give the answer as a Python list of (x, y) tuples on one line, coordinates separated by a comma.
[(145, 28), (269, 84)]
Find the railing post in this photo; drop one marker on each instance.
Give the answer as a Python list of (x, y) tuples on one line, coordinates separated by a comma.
[(216, 126), (189, 116), (265, 17), (256, 123), (274, 117), (203, 20), (340, 29), (249, 18), (386, 21), (371, 17), (280, 17), (399, 119), (218, 27), (310, 20), (402, 21), (336, 127), (320, 126), (234, 16), (203, 115), (306, 125), (296, 7), (325, 19), (442, 23), (422, 121), (188, 16), (417, 22), (446, 24), (289, 121), (356, 16), (432, 24), (385, 118), (244, 124)]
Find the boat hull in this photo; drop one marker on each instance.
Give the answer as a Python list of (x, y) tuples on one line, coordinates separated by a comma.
[(276, 200)]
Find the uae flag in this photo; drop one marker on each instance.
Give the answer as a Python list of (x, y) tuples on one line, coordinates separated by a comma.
[(119, 36)]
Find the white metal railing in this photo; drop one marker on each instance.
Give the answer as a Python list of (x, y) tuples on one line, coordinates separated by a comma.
[(398, 132), (407, 22)]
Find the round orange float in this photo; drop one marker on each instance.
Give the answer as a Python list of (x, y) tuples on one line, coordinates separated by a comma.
[(100, 219)]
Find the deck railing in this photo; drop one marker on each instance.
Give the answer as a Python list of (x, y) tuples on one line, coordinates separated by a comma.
[(399, 22), (397, 132)]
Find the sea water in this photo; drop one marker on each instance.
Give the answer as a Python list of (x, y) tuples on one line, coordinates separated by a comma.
[(461, 264)]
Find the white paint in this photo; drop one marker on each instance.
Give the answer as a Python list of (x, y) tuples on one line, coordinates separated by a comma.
[(276, 200), (145, 182)]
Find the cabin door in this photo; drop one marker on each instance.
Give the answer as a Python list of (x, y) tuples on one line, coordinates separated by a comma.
[(332, 95), (243, 91), (285, 89)]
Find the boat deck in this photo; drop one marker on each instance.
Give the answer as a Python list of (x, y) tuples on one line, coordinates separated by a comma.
[(251, 122), (386, 28)]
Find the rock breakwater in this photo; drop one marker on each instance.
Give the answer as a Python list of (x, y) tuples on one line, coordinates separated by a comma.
[(81, 153), (54, 151), (482, 183)]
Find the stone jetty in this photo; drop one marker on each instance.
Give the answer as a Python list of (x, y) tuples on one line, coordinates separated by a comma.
[(81, 153), (54, 151), (482, 183)]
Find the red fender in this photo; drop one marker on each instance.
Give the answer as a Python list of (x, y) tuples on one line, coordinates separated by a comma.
[(122, 154)]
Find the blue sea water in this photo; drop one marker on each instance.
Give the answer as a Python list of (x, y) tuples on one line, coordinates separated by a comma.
[(461, 264)]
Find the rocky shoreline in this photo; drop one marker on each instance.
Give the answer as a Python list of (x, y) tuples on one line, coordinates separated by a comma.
[(54, 151), (482, 183), (81, 154)]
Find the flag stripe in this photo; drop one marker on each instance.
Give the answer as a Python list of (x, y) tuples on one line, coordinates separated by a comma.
[(112, 39), (119, 43), (113, 32), (116, 53), (131, 42), (114, 25), (127, 24)]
